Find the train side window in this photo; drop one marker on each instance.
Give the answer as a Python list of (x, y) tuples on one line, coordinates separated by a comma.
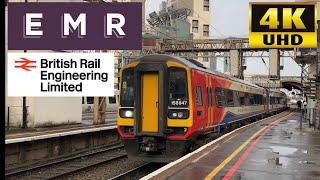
[(198, 96), (257, 99), (251, 99), (229, 98), (89, 100), (236, 99), (242, 98), (112, 100), (247, 99), (220, 97)]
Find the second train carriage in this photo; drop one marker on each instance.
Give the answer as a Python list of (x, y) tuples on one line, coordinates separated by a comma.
[(166, 102)]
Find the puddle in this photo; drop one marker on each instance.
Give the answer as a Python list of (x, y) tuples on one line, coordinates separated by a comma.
[(284, 150), (306, 162), (282, 122), (293, 120)]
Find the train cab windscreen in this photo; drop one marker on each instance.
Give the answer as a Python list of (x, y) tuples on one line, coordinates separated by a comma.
[(178, 91), (127, 94), (178, 94), (127, 88)]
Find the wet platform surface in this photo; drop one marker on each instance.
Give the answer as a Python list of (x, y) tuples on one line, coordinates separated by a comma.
[(278, 151)]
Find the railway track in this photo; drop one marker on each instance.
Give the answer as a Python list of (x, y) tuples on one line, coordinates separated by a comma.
[(138, 172), (69, 165)]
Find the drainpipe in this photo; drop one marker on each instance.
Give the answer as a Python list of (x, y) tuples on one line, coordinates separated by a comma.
[(24, 113), (24, 108)]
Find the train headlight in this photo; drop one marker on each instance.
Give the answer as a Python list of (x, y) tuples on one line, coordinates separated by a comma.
[(174, 115), (178, 113), (126, 113)]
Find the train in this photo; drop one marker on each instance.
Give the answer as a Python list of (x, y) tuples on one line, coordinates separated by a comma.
[(167, 103)]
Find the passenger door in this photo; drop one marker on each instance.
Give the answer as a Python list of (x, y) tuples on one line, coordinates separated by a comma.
[(150, 99)]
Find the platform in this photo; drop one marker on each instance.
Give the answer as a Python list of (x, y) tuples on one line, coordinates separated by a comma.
[(45, 133), (30, 146), (274, 148)]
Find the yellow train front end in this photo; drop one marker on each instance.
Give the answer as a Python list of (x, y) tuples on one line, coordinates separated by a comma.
[(155, 109)]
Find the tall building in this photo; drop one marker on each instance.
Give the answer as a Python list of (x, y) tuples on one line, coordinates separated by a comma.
[(199, 19)]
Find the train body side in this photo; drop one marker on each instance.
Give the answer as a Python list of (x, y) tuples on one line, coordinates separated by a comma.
[(209, 112)]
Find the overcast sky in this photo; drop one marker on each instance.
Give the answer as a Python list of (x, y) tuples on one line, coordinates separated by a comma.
[(230, 19)]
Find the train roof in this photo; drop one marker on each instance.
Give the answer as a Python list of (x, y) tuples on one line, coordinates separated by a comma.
[(157, 57)]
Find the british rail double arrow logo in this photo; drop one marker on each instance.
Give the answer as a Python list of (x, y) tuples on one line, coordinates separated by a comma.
[(25, 64)]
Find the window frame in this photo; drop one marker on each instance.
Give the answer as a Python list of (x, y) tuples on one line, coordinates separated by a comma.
[(206, 30), (206, 6), (91, 98), (195, 26), (114, 101)]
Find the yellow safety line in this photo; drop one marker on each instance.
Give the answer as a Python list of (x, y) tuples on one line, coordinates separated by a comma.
[(236, 152)]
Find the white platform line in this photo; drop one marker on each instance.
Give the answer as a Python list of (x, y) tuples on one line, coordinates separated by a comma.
[(60, 134)]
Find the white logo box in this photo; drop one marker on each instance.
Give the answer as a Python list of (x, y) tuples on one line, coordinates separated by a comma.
[(86, 72)]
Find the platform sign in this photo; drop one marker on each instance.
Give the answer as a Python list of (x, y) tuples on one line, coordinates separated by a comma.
[(74, 26), (282, 25)]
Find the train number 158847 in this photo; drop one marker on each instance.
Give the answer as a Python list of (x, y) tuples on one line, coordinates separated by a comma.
[(179, 103)]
